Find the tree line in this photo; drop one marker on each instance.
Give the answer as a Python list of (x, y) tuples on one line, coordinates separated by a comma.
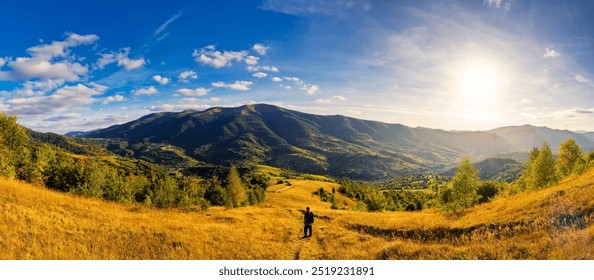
[(465, 189), (113, 178)]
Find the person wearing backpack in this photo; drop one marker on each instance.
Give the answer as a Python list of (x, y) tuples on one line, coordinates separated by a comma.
[(308, 221)]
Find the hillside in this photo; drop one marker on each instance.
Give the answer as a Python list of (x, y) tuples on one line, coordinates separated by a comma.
[(336, 145), (554, 223), (495, 169), (526, 137)]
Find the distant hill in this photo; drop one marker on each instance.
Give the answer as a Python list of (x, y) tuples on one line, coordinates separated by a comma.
[(496, 169), (526, 137), (336, 145), (589, 135)]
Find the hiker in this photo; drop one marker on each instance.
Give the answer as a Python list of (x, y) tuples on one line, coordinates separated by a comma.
[(308, 220)]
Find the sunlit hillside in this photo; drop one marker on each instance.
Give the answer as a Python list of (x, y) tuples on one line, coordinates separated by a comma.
[(554, 223)]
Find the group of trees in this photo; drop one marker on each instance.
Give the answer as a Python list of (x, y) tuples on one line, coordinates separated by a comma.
[(466, 189), (374, 199), (542, 170), (118, 179)]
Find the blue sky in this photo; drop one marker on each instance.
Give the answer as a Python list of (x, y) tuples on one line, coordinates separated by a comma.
[(455, 65)]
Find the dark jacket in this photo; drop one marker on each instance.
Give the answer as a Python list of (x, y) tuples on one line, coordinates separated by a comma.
[(309, 218)]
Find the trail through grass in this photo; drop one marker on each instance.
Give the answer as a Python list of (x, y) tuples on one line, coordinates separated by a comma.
[(554, 223)]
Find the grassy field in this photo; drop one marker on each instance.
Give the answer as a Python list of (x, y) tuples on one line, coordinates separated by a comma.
[(554, 223)]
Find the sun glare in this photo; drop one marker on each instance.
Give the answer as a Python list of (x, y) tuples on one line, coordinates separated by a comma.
[(479, 88)]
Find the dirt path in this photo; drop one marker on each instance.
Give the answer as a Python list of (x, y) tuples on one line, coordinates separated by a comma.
[(287, 187), (298, 247)]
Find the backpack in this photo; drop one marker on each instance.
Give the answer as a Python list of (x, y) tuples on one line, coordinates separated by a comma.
[(309, 218)]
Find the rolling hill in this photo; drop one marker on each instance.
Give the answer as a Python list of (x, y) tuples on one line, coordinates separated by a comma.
[(332, 145), (553, 223)]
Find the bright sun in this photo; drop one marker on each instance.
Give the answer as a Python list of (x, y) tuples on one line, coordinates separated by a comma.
[(479, 85)]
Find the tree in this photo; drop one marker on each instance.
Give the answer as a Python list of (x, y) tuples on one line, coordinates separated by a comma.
[(235, 189), (542, 172), (570, 158), (215, 193), (14, 146), (464, 184)]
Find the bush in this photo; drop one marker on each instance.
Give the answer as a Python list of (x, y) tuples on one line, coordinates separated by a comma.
[(487, 190)]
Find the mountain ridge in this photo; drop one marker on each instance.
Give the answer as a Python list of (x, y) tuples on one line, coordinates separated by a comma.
[(333, 145)]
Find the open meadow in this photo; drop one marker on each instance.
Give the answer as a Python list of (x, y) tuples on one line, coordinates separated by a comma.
[(553, 223)]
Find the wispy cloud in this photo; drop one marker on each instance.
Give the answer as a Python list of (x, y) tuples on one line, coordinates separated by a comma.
[(550, 53), (187, 75), (336, 98), (263, 68), (163, 26), (260, 75), (499, 4), (310, 89), (121, 58), (193, 92), (176, 107), (238, 85), (581, 79), (339, 8)]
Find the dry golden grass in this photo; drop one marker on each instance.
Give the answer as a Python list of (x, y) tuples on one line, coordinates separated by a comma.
[(554, 223)]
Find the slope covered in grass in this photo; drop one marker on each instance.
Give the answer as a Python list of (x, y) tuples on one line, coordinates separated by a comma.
[(554, 223)]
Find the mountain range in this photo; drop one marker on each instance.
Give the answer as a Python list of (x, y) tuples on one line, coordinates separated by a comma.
[(334, 145)]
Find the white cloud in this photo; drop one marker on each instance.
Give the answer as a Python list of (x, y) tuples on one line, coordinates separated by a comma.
[(193, 92), (60, 101), (262, 68), (493, 3), (294, 79), (186, 75), (65, 117), (498, 4), (251, 60), (276, 79), (145, 91), (238, 85), (106, 59), (2, 62), (260, 75), (121, 58), (98, 87), (161, 80), (169, 21), (210, 56), (198, 100), (260, 49), (310, 89), (550, 53), (332, 99), (49, 61), (115, 98), (178, 107), (581, 79), (31, 88), (339, 8)]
